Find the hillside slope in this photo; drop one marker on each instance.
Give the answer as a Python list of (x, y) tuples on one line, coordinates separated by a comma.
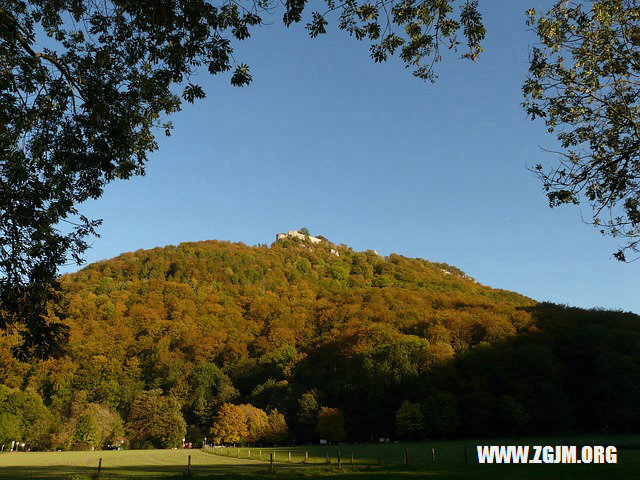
[(297, 326)]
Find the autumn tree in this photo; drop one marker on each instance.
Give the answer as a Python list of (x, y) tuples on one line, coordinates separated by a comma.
[(257, 423), (331, 424), (277, 430), (229, 425)]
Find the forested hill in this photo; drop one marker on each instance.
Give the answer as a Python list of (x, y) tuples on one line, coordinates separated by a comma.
[(388, 347)]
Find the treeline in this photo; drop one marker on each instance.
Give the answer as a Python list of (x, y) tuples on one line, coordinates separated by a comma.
[(177, 341)]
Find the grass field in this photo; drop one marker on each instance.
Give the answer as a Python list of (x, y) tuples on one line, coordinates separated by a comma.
[(245, 463)]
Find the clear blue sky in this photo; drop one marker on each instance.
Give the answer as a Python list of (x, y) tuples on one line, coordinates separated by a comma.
[(371, 157)]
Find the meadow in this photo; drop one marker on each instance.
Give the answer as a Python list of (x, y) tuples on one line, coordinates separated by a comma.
[(310, 462)]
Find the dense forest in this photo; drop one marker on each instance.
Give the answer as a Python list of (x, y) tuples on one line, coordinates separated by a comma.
[(299, 341)]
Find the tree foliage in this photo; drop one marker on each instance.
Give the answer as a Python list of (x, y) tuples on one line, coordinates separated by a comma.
[(229, 425), (209, 389), (247, 424), (155, 421), (307, 414), (23, 418), (87, 435), (331, 424), (441, 414), (409, 420), (257, 423), (584, 81), (277, 430)]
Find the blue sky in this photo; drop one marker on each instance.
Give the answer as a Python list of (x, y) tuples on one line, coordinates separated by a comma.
[(371, 157)]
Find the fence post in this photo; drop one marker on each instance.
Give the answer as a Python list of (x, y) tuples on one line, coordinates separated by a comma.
[(338, 459), (99, 466), (328, 461), (238, 453), (306, 457), (351, 458), (249, 454), (260, 453), (189, 467), (433, 454), (289, 456), (379, 458), (271, 462)]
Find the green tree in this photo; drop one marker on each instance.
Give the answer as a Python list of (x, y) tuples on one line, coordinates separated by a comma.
[(512, 415), (80, 107), (87, 435), (307, 417), (271, 394), (409, 420), (397, 361), (210, 388), (155, 421), (277, 363), (10, 428), (583, 81), (441, 414), (24, 417), (331, 424), (108, 422), (195, 435)]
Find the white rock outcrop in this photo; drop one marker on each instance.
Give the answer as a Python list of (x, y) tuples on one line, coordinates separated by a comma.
[(297, 234)]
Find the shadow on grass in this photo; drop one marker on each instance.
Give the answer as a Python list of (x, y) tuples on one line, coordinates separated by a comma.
[(316, 472), (239, 472)]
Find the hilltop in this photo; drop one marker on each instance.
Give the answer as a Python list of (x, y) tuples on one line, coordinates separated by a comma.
[(300, 325)]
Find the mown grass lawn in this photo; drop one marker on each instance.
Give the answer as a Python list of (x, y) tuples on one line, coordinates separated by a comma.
[(245, 463), (122, 464)]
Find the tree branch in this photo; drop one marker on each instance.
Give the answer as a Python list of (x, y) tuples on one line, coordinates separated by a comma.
[(59, 64)]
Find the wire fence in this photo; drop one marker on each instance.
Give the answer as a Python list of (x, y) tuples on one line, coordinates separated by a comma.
[(344, 455)]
